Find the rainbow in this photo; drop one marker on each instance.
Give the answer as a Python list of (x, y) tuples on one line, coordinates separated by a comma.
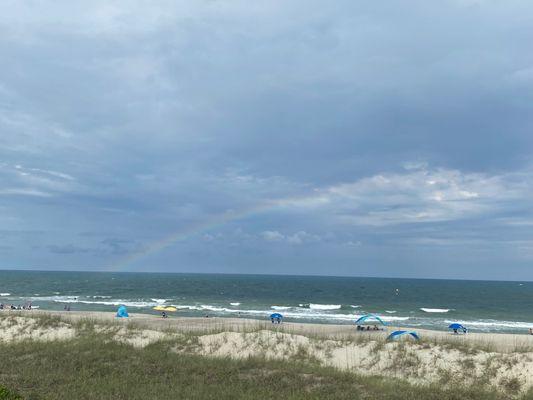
[(206, 225)]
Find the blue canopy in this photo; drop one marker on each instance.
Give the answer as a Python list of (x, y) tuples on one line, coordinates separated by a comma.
[(122, 312), (397, 334), (370, 318), (456, 326), (276, 315)]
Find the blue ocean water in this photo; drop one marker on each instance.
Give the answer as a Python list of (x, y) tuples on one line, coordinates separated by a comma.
[(481, 305)]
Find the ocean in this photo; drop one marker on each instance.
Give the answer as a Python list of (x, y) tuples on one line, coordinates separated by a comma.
[(486, 306)]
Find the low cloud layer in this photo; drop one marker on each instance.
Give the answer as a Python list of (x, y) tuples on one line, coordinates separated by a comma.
[(381, 139)]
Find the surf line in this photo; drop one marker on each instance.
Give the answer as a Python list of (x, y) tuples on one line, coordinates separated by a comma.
[(212, 223)]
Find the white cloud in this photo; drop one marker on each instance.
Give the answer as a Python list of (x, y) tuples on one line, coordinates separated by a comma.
[(272, 236), (24, 192), (302, 237), (38, 181), (299, 237), (416, 195)]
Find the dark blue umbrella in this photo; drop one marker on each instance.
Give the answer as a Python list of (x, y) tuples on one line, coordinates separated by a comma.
[(456, 326), (276, 315)]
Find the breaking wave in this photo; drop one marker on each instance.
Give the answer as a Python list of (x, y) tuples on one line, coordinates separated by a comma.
[(492, 324), (324, 306)]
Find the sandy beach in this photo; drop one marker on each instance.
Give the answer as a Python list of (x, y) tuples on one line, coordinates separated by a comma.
[(499, 341)]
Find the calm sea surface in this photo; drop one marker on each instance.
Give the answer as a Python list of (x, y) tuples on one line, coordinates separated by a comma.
[(480, 305)]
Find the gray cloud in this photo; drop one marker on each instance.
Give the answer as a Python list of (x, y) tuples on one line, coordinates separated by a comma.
[(268, 137)]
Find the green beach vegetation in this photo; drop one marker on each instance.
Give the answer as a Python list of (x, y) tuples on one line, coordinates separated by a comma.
[(95, 363)]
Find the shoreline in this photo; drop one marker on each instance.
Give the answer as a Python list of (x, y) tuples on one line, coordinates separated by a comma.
[(500, 341)]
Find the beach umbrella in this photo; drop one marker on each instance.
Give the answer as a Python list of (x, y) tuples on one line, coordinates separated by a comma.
[(159, 308), (369, 319), (122, 312), (456, 326), (170, 308), (397, 334), (276, 316)]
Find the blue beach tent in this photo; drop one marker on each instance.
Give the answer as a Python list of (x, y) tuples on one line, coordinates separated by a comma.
[(369, 318), (457, 327), (122, 312), (276, 317), (397, 334)]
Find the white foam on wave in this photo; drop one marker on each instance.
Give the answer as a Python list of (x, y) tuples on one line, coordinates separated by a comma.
[(435, 310), (492, 324), (306, 314), (115, 302), (159, 301), (235, 304), (5, 294), (355, 306), (101, 297), (322, 312), (387, 318), (324, 306), (289, 312), (57, 299), (110, 302), (390, 312)]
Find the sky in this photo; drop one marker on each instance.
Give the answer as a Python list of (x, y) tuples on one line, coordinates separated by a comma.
[(382, 138)]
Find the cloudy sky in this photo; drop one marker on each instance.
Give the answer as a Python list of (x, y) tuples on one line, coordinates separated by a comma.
[(381, 138)]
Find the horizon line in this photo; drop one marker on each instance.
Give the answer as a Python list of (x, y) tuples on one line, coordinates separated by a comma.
[(261, 274)]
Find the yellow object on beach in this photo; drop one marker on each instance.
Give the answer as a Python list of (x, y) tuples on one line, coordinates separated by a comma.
[(159, 308), (171, 309)]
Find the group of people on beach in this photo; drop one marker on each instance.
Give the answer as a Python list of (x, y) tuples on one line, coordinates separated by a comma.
[(456, 330), (26, 306), (368, 328)]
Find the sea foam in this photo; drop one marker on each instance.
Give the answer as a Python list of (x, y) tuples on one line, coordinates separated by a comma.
[(495, 324), (324, 306), (435, 310)]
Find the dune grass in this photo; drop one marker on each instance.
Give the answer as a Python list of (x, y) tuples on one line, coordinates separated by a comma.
[(6, 394), (100, 362), (93, 367)]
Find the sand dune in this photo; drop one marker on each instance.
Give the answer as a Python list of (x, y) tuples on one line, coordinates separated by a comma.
[(496, 358)]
